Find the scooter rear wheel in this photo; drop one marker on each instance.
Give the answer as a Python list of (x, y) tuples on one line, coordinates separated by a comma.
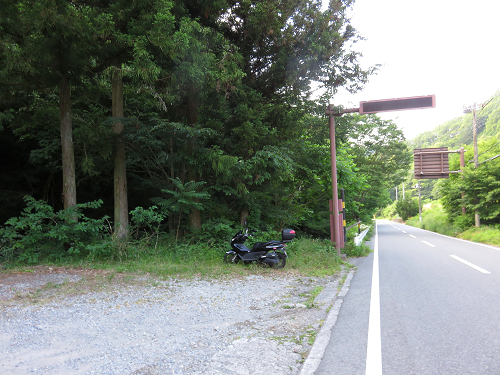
[(281, 260), (231, 258)]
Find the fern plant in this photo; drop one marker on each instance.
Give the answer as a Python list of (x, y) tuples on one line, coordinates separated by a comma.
[(186, 197)]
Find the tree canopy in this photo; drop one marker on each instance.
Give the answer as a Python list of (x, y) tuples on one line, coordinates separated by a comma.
[(217, 122)]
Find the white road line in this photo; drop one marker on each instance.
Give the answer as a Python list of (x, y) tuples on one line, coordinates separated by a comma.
[(470, 264), (374, 347), (403, 231), (411, 235), (459, 239), (429, 244)]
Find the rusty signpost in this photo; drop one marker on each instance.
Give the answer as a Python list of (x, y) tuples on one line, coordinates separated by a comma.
[(431, 163), (373, 106)]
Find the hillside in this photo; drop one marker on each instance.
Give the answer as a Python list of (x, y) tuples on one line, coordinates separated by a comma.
[(457, 132)]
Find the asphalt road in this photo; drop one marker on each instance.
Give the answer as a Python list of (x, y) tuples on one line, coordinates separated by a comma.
[(421, 303)]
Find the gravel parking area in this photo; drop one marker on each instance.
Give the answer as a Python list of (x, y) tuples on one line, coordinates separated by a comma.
[(58, 321)]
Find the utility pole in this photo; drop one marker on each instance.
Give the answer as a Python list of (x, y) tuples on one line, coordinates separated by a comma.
[(476, 161), (419, 187), (420, 202), (462, 168), (472, 109), (334, 225), (474, 132)]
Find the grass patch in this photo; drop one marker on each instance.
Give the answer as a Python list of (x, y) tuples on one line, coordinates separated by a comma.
[(312, 296), (307, 257), (353, 251), (311, 257), (434, 219), (485, 234)]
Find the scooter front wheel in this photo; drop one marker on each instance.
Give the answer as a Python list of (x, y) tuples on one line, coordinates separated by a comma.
[(281, 260), (231, 258)]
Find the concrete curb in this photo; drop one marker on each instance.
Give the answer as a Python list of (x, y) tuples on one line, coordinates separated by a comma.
[(317, 352)]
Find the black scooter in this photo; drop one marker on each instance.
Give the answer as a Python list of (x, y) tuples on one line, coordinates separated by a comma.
[(272, 253)]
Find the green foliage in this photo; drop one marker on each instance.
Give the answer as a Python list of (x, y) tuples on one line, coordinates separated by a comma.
[(184, 198), (406, 208), (485, 234), (435, 219), (207, 98), (353, 251), (480, 186), (146, 219), (390, 211), (314, 257), (40, 233), (217, 231)]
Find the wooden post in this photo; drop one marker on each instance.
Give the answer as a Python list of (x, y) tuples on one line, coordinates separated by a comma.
[(462, 167), (335, 195)]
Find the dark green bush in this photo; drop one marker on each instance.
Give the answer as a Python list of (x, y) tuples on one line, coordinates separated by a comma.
[(406, 208), (39, 232)]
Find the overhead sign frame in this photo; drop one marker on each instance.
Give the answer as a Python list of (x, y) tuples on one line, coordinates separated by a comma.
[(399, 104)]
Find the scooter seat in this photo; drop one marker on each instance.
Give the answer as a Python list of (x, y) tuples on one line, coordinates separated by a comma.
[(261, 245), (257, 245)]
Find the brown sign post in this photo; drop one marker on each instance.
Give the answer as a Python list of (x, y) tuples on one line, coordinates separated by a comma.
[(373, 106), (431, 163)]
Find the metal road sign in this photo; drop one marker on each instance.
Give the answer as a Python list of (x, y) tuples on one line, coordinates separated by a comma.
[(431, 163)]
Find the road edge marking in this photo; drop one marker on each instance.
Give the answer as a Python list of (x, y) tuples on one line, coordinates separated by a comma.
[(374, 345)]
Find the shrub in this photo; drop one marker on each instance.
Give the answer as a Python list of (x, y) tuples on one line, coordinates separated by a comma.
[(484, 234), (435, 220), (353, 251), (406, 208), (39, 232), (144, 235), (390, 211)]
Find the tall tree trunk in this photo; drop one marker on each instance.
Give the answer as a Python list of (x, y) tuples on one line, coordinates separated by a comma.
[(192, 117), (172, 175), (120, 172), (244, 213), (68, 155)]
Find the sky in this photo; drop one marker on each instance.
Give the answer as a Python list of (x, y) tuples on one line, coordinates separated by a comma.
[(447, 48)]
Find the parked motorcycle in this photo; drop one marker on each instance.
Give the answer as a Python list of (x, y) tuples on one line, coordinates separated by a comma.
[(271, 253)]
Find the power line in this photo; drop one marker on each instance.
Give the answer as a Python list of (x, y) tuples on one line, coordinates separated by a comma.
[(484, 152), (494, 157)]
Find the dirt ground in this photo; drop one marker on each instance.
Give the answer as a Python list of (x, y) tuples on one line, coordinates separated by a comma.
[(43, 283)]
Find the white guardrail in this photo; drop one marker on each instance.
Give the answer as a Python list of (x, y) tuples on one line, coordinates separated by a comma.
[(359, 238)]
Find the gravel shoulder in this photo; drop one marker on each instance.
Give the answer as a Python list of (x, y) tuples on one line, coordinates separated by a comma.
[(61, 321)]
